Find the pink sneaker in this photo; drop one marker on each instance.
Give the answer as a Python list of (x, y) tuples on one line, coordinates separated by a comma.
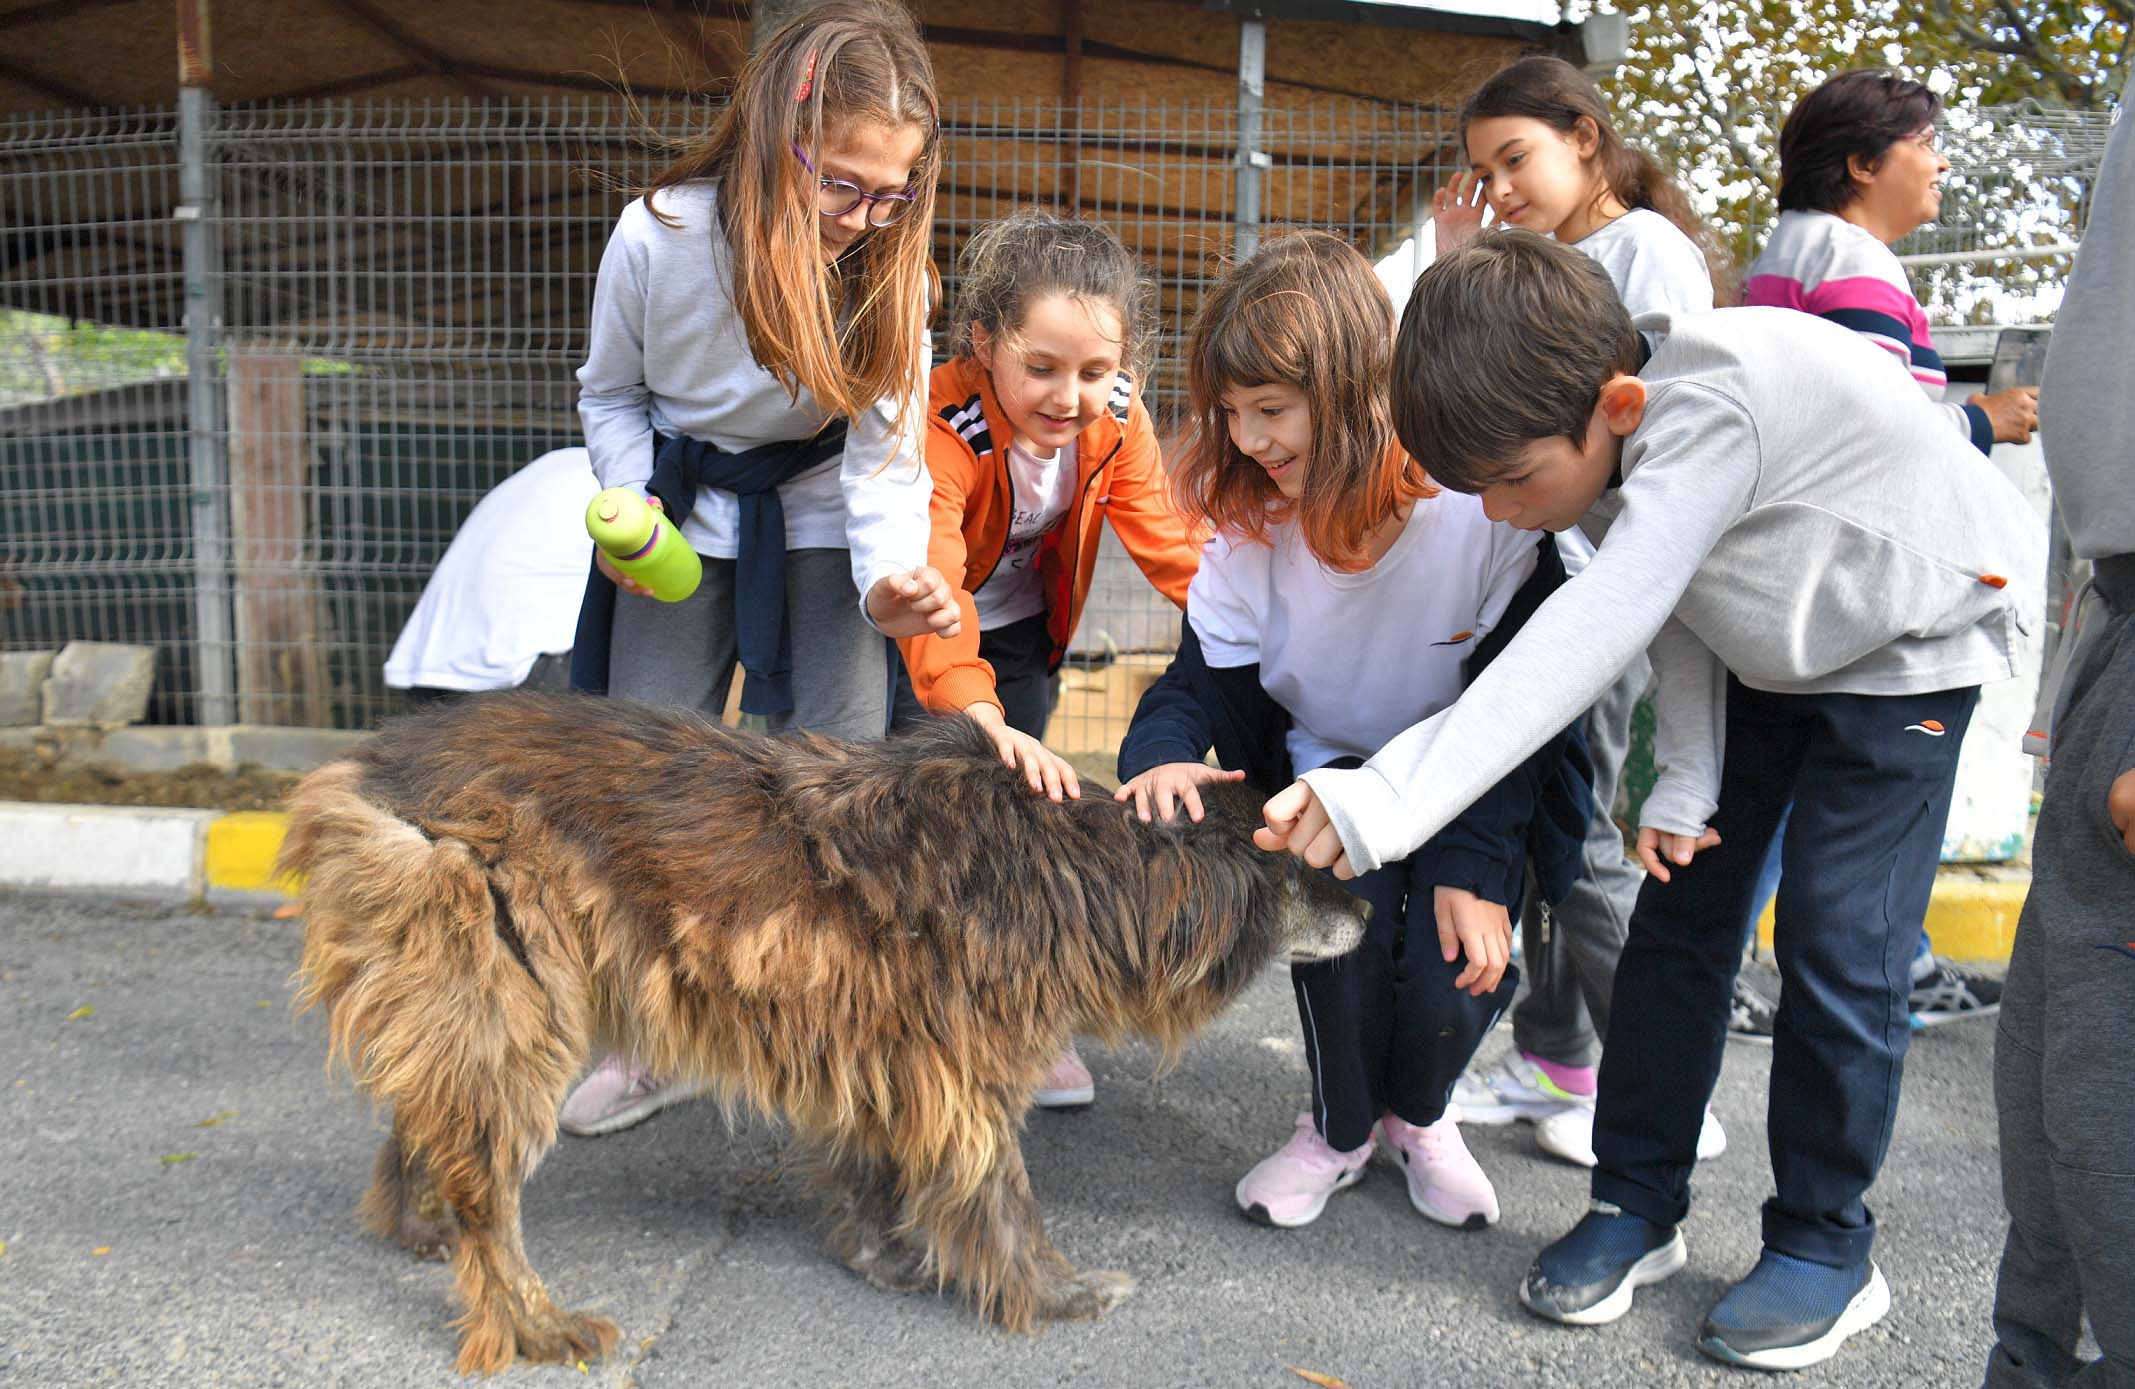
[(1444, 1182), (618, 1094), (1290, 1186), (1067, 1085)]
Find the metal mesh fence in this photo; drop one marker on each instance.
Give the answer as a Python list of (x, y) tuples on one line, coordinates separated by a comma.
[(399, 301)]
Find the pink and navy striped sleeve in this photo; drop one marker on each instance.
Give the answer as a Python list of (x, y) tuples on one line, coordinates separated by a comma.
[(1821, 264)]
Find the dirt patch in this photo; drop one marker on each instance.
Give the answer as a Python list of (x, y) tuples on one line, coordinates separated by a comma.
[(25, 777)]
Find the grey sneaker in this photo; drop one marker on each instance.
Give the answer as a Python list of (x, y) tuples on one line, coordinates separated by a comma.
[(1750, 1015), (1945, 993)]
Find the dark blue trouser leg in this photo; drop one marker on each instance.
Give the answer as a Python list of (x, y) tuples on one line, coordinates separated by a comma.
[(1668, 1015), (1862, 846), (1384, 1027)]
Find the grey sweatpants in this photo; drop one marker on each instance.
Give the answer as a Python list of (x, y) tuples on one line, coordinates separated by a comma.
[(1568, 952), (2063, 1086), (683, 653)]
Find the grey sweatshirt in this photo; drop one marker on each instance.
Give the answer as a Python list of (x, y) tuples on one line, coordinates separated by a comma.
[(668, 354), (2087, 395), (1787, 513)]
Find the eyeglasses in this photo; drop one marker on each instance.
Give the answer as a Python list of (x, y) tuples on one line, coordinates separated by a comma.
[(835, 197), (1930, 138)]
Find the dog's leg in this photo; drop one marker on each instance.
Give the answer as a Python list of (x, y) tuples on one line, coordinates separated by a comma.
[(404, 1204), (992, 1244), (866, 1214), (507, 1310)]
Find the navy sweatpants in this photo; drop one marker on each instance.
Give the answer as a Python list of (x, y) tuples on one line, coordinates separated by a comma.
[(1870, 777), (1385, 1030)]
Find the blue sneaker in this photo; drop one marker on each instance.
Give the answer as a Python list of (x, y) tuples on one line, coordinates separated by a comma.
[(1587, 1277), (1789, 1313)]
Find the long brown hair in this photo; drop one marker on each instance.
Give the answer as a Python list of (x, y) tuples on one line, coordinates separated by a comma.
[(851, 332), (1305, 310), (1559, 95)]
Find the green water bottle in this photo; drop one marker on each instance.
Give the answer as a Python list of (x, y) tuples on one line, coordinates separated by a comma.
[(644, 544)]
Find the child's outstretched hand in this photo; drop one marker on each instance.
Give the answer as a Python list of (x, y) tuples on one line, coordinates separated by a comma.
[(1043, 768), (1298, 822), (2120, 804), (914, 604), (1165, 788), (1457, 212), (1658, 848), (1483, 929)]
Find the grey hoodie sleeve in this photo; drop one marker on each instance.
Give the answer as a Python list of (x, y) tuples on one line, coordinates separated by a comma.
[(614, 403), (1690, 470), (1689, 724)]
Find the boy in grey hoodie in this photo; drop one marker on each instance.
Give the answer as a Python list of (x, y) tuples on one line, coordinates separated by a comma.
[(2061, 1079), (1823, 578)]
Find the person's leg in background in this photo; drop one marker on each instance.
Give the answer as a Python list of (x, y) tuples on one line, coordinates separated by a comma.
[(1751, 1014), (1568, 952), (2062, 1087), (681, 655)]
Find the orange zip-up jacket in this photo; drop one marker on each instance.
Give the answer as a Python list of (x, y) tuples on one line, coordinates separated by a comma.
[(1119, 475)]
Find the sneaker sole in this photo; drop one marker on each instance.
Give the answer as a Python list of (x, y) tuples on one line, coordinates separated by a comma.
[(630, 1116), (1866, 1309), (1492, 1116), (1080, 1098), (1938, 1018), (1749, 1039), (1259, 1214), (1473, 1220), (1661, 1264)]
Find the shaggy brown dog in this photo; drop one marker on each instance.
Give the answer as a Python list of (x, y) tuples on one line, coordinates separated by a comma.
[(886, 944)]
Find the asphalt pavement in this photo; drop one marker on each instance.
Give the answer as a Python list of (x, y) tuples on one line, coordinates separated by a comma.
[(178, 1177)]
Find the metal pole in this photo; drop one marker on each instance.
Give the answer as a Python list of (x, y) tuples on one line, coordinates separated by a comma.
[(1252, 94), (208, 441)]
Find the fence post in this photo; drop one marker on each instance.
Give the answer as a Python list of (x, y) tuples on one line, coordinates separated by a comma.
[(1252, 93), (197, 210)]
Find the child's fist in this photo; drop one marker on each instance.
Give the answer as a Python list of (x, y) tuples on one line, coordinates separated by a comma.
[(1658, 848), (914, 604), (1298, 823)]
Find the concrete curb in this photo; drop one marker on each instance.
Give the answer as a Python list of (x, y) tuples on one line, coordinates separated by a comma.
[(141, 851), (206, 854)]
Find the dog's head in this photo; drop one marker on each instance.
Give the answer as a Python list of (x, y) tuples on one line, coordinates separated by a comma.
[(1224, 907)]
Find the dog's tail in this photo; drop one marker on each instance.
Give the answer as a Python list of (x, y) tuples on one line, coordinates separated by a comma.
[(432, 1001)]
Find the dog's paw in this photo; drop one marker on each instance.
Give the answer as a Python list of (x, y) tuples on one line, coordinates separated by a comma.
[(1092, 1293), (891, 1265), (568, 1337)]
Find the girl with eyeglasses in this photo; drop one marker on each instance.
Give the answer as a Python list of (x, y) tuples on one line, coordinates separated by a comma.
[(757, 363)]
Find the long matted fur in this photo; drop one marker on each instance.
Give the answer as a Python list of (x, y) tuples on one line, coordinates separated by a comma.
[(886, 944)]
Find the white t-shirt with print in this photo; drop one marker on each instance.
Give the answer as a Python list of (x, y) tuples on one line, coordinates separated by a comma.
[(1357, 658), (1043, 489)]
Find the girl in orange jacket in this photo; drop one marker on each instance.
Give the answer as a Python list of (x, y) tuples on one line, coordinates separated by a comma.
[(1035, 437)]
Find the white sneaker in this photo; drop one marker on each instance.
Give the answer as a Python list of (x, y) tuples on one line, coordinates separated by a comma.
[(1515, 1088), (618, 1094), (1067, 1085), (1570, 1135)]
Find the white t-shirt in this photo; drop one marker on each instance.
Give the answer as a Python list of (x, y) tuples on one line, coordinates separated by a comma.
[(508, 587), (1043, 489), (1656, 269), (1357, 658)]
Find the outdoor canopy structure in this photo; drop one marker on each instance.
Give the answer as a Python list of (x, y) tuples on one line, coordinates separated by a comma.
[(373, 226)]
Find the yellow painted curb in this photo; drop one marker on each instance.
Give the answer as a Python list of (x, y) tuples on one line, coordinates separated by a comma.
[(1971, 919), (240, 849)]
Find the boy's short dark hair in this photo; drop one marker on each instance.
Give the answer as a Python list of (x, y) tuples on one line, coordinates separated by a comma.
[(1505, 341), (1864, 113)]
